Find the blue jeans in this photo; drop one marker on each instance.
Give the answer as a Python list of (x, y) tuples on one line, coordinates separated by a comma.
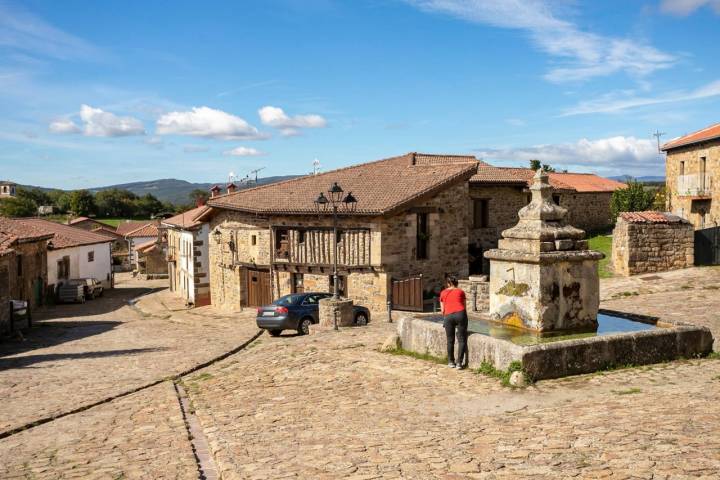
[(457, 321)]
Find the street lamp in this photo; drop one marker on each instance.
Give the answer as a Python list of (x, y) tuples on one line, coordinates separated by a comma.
[(335, 200)]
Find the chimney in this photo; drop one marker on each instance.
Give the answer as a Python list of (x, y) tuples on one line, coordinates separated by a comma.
[(231, 187), (214, 191)]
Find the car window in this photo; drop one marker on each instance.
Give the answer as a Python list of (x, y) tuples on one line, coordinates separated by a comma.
[(288, 300), (311, 300)]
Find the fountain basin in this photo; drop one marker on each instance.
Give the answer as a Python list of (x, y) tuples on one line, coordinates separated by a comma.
[(621, 339)]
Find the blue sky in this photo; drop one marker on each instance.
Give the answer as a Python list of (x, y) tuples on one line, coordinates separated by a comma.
[(105, 92)]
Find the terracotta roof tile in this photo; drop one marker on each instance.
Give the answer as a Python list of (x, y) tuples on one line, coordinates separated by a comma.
[(6, 243), (708, 133), (124, 228), (188, 219), (21, 230), (146, 246), (381, 187), (64, 236), (147, 230), (651, 217), (107, 231), (578, 182)]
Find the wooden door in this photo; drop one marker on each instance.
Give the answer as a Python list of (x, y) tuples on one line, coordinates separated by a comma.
[(259, 292), (407, 294)]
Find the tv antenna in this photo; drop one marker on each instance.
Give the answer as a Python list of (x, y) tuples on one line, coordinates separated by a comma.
[(231, 177), (316, 166), (657, 135), (256, 172)]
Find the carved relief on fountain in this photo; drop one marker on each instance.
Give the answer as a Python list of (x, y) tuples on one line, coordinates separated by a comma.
[(543, 277)]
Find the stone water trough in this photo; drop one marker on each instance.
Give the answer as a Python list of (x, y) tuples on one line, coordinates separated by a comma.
[(544, 307)]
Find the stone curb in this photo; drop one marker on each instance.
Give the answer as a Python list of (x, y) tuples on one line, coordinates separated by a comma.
[(35, 423)]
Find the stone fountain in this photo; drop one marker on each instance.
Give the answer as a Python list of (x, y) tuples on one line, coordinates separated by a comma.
[(543, 277)]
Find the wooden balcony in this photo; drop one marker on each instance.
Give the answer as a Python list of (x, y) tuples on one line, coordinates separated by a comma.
[(316, 247)]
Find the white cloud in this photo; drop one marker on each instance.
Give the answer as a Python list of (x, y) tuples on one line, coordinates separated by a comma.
[(98, 123), (686, 7), (207, 122), (244, 152), (64, 125), (618, 102), (20, 30), (610, 156), (585, 54), (289, 126), (515, 122)]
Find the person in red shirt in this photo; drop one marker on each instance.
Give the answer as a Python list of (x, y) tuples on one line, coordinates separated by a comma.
[(452, 306)]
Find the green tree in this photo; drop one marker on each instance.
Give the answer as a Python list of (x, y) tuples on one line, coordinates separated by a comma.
[(115, 203), (147, 205), (634, 198), (198, 195), (17, 207), (37, 196), (82, 202), (536, 165)]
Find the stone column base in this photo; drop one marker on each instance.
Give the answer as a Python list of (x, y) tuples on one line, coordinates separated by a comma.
[(331, 308)]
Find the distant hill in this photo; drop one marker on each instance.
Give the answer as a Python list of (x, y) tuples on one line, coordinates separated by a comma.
[(645, 179), (173, 190)]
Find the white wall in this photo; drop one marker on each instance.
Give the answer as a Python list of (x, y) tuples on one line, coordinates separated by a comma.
[(99, 268)]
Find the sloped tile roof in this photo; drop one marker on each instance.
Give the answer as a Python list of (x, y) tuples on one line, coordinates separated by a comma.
[(22, 231), (381, 187), (188, 219), (107, 231), (708, 133), (578, 182), (147, 230), (146, 246), (6, 243), (65, 236), (124, 228), (651, 217)]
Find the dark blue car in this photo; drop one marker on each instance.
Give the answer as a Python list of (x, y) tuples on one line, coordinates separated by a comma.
[(298, 311)]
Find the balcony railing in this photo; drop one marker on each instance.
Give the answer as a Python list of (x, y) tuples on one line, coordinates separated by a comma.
[(694, 185)]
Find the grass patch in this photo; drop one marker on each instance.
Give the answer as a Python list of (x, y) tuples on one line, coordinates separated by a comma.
[(488, 369), (714, 355), (629, 391), (114, 222), (419, 356), (603, 243)]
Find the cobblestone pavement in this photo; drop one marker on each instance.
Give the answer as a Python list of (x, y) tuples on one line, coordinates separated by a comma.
[(691, 295), (331, 406), (138, 436), (80, 354)]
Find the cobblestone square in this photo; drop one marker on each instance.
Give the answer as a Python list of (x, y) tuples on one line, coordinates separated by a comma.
[(332, 406)]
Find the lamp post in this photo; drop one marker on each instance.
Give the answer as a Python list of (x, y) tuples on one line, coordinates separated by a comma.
[(335, 200)]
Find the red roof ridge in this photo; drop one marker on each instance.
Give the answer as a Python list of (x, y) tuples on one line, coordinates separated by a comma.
[(686, 140)]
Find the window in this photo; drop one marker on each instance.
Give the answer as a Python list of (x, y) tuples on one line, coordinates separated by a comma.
[(301, 236), (281, 243), (481, 213), (556, 199), (423, 236), (682, 168), (703, 163), (91, 256), (253, 240)]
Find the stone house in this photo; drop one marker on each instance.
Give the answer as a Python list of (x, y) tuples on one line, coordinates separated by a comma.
[(23, 266), (152, 259), (411, 219), (86, 223), (74, 253), (7, 189), (692, 173), (187, 256), (498, 193), (143, 234)]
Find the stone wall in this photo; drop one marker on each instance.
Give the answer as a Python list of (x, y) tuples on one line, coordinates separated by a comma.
[(30, 285), (702, 212), (7, 271), (652, 247), (587, 211), (447, 247), (477, 293)]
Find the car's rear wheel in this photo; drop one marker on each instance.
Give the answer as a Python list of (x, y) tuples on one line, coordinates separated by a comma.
[(304, 326), (361, 319), (274, 333)]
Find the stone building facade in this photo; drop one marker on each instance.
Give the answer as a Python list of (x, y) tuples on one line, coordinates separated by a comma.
[(692, 176), (648, 242), (188, 256), (23, 267)]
